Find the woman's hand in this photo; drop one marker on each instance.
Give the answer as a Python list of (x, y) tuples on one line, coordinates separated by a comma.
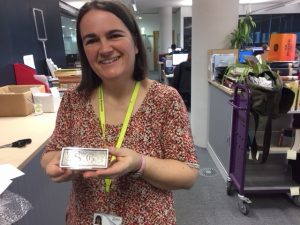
[(125, 161), (50, 163)]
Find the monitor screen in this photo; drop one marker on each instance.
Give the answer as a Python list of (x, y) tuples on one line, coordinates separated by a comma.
[(243, 53), (257, 50), (176, 50), (179, 58)]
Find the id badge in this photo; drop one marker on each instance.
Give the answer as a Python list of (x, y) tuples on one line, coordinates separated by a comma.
[(106, 219), (84, 158)]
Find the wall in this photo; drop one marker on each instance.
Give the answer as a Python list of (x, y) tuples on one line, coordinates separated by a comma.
[(212, 22), (18, 36), (185, 12)]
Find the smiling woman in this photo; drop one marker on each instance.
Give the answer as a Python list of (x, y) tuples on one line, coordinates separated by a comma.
[(144, 125)]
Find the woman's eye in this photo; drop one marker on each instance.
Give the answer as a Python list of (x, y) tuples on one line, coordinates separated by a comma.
[(90, 41), (114, 36)]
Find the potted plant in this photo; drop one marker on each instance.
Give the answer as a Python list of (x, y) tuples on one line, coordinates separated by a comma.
[(238, 72), (241, 35)]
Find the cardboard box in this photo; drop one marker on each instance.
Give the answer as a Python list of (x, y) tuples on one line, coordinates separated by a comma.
[(49, 101), (16, 100)]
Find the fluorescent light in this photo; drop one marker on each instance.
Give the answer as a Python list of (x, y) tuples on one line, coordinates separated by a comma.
[(76, 4), (134, 7), (187, 2)]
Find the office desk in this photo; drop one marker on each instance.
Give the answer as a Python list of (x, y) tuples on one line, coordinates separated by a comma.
[(38, 128), (48, 199)]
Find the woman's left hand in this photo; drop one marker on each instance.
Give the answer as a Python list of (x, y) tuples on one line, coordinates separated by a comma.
[(126, 161)]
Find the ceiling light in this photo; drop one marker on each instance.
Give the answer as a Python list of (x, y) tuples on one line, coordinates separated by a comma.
[(134, 7), (76, 4), (187, 2)]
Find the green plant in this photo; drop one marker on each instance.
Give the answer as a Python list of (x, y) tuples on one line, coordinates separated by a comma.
[(238, 72), (241, 35)]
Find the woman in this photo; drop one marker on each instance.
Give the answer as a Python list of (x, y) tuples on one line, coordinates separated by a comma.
[(157, 145)]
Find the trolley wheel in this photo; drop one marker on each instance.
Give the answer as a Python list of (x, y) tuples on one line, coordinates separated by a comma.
[(229, 187), (296, 200), (243, 207)]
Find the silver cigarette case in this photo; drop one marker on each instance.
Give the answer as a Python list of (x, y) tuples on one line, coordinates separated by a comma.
[(77, 158)]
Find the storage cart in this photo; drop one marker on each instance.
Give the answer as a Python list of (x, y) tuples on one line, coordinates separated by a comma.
[(248, 176)]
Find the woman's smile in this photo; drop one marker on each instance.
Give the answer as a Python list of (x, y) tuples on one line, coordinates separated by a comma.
[(110, 60)]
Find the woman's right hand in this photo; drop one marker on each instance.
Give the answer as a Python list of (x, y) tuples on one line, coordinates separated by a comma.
[(50, 163)]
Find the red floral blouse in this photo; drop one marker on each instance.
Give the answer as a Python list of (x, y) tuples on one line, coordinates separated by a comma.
[(160, 128)]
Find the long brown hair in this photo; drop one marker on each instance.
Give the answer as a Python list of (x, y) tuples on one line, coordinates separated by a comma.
[(90, 80)]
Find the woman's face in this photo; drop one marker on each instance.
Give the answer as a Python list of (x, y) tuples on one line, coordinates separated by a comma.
[(108, 45)]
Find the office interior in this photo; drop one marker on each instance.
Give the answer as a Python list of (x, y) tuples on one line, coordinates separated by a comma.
[(198, 28)]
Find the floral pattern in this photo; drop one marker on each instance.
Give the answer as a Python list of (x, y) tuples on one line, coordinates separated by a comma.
[(160, 128)]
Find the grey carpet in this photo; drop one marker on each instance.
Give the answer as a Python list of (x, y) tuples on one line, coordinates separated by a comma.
[(208, 204)]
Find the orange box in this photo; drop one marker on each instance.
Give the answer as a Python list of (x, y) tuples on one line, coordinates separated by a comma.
[(282, 47), (16, 100)]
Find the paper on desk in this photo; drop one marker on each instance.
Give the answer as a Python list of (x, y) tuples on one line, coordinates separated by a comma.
[(4, 185), (8, 172)]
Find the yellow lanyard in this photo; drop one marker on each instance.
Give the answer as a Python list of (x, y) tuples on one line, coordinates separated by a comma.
[(125, 122)]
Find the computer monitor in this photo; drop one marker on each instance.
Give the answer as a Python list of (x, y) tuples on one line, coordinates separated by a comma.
[(243, 53), (257, 50), (176, 50), (178, 58)]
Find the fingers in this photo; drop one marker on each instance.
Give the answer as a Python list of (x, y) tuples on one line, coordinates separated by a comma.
[(58, 174), (65, 175)]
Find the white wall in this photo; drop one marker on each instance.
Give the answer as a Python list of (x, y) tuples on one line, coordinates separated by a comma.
[(151, 23), (212, 22)]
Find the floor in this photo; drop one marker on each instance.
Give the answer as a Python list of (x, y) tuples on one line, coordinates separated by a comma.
[(207, 203)]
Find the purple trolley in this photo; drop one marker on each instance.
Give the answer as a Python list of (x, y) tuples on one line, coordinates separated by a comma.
[(245, 175)]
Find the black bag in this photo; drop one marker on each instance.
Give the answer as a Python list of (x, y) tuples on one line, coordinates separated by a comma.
[(265, 100), (271, 102)]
